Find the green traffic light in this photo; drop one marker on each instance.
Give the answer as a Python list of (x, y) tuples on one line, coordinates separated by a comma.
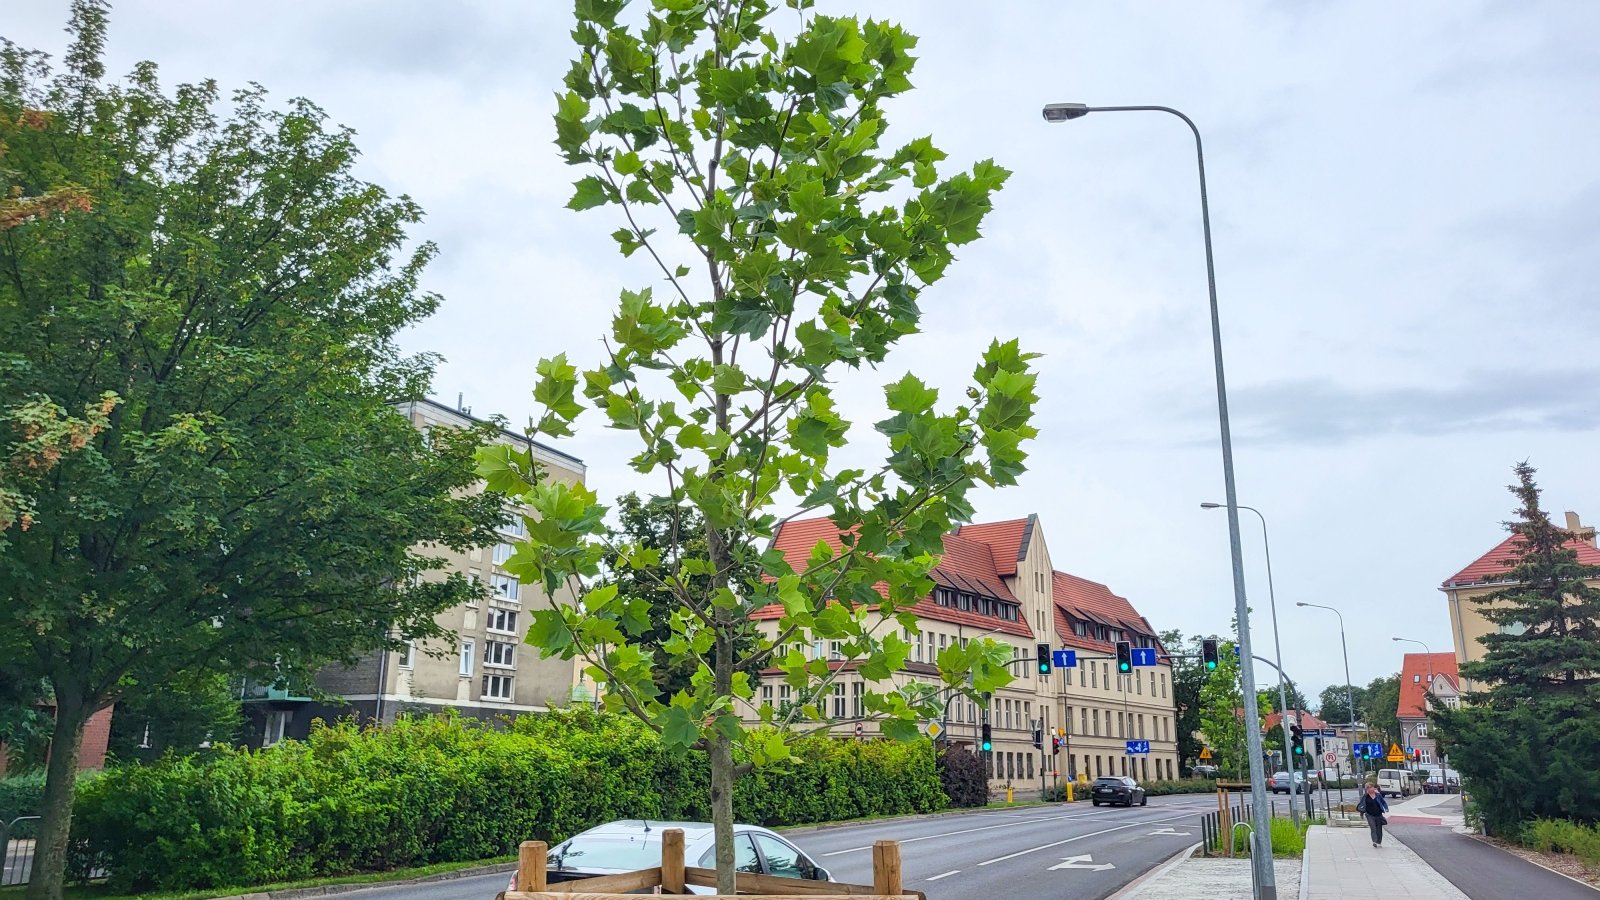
[(1210, 664), (987, 746), (1123, 667)]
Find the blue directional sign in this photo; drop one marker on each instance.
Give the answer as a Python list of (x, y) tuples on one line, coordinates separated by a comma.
[(1064, 659), (1368, 751), (1136, 747), (1143, 656)]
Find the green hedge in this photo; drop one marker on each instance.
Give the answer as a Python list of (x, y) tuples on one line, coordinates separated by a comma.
[(444, 789), (1562, 836), (1179, 786), (21, 795)]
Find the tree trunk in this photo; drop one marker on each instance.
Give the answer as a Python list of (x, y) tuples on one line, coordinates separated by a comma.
[(50, 850), (722, 778)]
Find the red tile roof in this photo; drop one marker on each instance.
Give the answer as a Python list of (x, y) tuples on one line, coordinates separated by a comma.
[(1414, 679), (1093, 602), (1009, 540), (1307, 721), (1492, 566), (967, 565)]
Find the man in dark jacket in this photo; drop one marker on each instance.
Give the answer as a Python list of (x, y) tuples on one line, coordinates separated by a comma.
[(1373, 806)]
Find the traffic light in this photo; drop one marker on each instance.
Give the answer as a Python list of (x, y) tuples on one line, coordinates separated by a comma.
[(1208, 652), (988, 738), (1038, 738), (1416, 755), (1124, 657), (1297, 740), (1044, 658)]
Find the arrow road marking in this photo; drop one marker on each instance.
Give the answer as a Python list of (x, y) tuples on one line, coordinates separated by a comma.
[(945, 875), (1171, 831), (1072, 862)]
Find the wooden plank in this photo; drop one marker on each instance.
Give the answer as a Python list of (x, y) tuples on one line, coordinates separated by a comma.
[(531, 857), (886, 867), (672, 861), (770, 884), (621, 883)]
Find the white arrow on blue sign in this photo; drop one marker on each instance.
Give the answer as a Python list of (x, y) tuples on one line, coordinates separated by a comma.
[(1138, 747), (1064, 659), (1143, 656)]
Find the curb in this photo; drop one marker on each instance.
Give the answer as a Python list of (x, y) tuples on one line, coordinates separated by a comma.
[(917, 817), (328, 889), (1479, 838), (1305, 865), (1132, 888)]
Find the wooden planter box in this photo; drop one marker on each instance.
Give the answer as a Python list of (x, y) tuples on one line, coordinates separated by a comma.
[(673, 877)]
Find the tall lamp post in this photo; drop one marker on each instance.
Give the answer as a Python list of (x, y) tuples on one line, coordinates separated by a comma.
[(1349, 695), (1428, 689), (1263, 877), (1289, 763)]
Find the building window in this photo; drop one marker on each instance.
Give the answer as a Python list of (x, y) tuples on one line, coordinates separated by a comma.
[(502, 552), (834, 650), (1514, 628), (1094, 676), (505, 587), (500, 653), (1096, 731), (466, 659), (783, 696), (858, 693), (944, 597), (918, 645), (1029, 776), (838, 699), (497, 687), (1422, 729), (1081, 675), (766, 694), (408, 655), (277, 725), (1427, 756), (1163, 685), (1138, 681), (501, 620)]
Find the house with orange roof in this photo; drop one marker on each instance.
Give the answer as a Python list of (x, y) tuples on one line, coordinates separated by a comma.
[(1488, 574), (1427, 681), (996, 580)]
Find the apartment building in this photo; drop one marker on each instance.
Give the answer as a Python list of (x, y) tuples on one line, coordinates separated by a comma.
[(996, 580), (483, 669), (1487, 574)]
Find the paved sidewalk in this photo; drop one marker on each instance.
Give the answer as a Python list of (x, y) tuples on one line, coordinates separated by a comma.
[(1212, 879), (1342, 864)]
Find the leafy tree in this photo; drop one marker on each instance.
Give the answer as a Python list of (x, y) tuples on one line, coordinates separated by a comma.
[(1381, 708), (1221, 703), (1333, 704), (653, 525), (252, 503), (1529, 745), (1188, 677), (181, 716), (747, 165), (1292, 696)]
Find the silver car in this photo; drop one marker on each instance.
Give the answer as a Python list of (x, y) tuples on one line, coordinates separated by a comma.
[(633, 844)]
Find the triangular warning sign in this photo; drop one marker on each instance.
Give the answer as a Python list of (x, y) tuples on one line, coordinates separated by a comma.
[(1205, 752), (1394, 753)]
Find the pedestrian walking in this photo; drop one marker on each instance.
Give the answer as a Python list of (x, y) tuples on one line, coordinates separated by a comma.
[(1376, 809)]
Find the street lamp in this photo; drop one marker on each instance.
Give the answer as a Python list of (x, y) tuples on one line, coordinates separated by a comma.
[(1262, 874), (1427, 689), (1277, 649), (1349, 695)]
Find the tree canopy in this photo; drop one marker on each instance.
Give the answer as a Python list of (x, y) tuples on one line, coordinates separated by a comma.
[(252, 503)]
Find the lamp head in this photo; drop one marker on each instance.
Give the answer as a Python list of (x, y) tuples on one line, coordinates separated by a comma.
[(1299, 603), (1061, 112), (1211, 506)]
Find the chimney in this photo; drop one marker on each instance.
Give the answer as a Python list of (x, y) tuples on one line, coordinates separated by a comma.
[(1576, 526)]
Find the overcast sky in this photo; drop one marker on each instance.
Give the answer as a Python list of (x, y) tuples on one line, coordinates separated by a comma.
[(1407, 239)]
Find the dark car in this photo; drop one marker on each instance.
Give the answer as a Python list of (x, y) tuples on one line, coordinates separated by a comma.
[(1117, 789)]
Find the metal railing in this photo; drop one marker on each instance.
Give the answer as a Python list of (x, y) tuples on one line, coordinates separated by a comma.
[(16, 851), (1211, 839)]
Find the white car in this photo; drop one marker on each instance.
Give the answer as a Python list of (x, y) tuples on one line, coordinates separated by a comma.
[(633, 844)]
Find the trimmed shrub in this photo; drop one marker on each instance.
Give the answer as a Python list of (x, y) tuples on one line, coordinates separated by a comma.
[(21, 795), (964, 780), (443, 789), (1562, 836), (1179, 786)]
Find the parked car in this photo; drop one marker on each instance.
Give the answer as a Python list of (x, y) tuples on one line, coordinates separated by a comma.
[(1205, 771), (1118, 789), (1397, 783), (627, 846), (1280, 783)]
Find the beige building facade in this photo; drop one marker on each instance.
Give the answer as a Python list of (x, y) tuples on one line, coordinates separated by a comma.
[(998, 581)]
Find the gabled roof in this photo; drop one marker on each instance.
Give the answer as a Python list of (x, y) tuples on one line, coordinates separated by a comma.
[(1493, 566), (1307, 721), (1414, 679), (967, 565), (1093, 602), (1009, 540)]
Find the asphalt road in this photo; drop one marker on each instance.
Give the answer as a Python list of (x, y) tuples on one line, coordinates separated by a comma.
[(1485, 872), (1053, 851)]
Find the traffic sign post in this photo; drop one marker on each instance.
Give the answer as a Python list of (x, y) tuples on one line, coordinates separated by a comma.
[(1064, 659), (1138, 748), (1144, 656), (1394, 754)]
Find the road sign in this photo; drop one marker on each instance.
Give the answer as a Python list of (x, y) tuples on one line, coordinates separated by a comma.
[(1081, 862), (934, 729), (1326, 732), (1205, 753), (1368, 751), (1136, 747), (1330, 758), (1144, 656), (1064, 659), (1394, 754)]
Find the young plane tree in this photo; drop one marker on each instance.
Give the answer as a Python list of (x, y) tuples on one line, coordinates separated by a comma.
[(741, 149)]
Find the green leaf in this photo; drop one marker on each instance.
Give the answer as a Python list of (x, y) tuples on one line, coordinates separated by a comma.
[(591, 192), (678, 728)]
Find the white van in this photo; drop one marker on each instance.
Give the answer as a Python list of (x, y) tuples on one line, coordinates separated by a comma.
[(1396, 783)]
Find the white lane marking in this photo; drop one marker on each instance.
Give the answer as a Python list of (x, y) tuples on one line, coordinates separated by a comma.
[(1058, 843), (945, 875), (1073, 862), (1029, 821)]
